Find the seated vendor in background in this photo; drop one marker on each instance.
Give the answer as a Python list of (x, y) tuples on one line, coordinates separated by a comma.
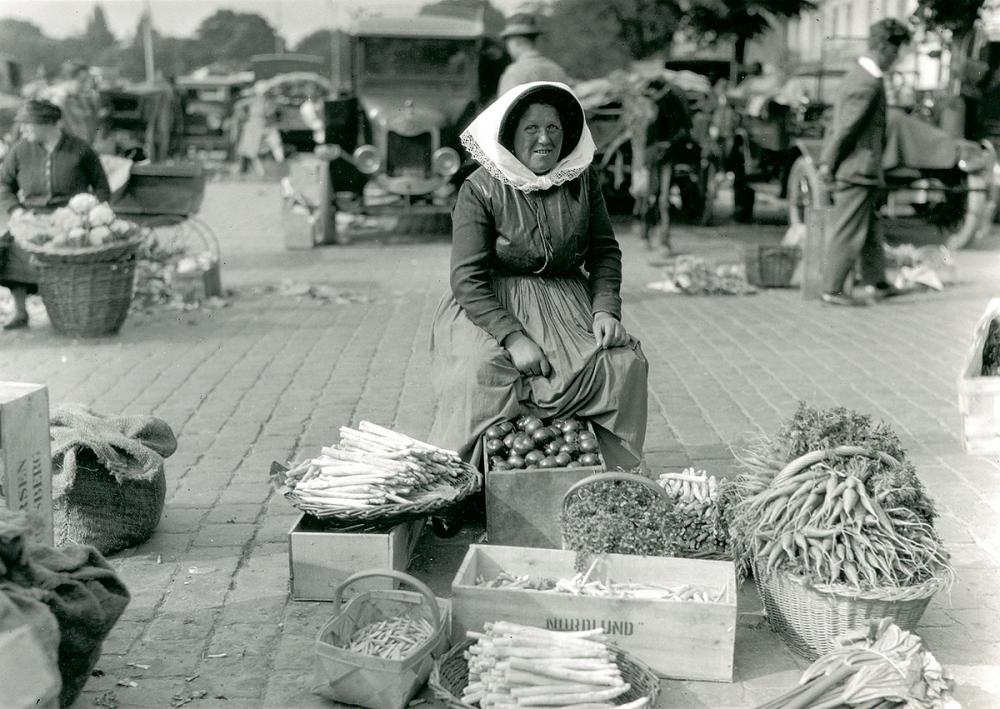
[(42, 171)]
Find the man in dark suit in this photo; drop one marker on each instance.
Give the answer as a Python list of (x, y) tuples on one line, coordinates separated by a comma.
[(851, 165)]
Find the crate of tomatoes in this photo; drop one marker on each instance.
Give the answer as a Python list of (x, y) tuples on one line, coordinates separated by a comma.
[(529, 466)]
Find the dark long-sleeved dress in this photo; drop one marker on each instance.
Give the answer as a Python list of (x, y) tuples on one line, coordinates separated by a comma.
[(34, 179), (541, 262)]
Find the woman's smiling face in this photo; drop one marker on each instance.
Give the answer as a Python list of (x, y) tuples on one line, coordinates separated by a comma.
[(538, 138)]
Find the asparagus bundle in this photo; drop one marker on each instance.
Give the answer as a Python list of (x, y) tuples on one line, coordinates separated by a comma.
[(696, 509), (513, 666), (581, 585), (392, 638), (370, 467)]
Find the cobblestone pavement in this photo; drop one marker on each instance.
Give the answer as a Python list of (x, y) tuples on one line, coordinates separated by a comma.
[(272, 377)]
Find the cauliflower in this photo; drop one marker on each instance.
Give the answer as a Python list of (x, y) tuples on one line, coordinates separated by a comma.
[(121, 227), (101, 215), (76, 236), (64, 219), (61, 239), (83, 202), (99, 235)]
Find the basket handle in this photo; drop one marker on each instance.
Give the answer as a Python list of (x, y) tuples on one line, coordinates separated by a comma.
[(615, 475), (812, 457), (416, 584)]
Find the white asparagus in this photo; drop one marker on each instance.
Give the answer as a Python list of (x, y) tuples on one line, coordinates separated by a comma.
[(579, 698)]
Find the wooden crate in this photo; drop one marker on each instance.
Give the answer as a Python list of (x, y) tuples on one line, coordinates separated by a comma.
[(680, 640), (979, 396), (320, 557), (523, 506), (26, 455)]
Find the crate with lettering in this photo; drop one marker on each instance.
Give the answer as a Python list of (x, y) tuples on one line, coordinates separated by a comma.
[(26, 455), (680, 618)]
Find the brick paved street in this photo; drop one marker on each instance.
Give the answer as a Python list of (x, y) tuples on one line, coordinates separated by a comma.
[(272, 377)]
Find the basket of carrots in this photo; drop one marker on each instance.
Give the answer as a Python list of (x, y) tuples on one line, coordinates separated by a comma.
[(510, 666), (830, 550), (378, 651)]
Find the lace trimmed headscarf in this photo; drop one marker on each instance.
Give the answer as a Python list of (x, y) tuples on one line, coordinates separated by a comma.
[(488, 138)]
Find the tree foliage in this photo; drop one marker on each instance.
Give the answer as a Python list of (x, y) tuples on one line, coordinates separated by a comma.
[(235, 36), (739, 20), (318, 43), (590, 38)]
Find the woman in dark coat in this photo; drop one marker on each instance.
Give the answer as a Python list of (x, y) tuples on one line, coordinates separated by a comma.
[(43, 171), (532, 323)]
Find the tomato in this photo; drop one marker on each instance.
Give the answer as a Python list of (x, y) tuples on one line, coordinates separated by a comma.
[(588, 445), (515, 461), (494, 432), (571, 425), (571, 436), (503, 465), (586, 434), (532, 424), (523, 444), (533, 456), (551, 448), (590, 459), (541, 436), (506, 427), (573, 464), (563, 459), (508, 440), (548, 462), (521, 421), (495, 445), (570, 449)]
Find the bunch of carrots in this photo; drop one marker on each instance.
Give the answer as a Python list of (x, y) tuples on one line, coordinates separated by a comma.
[(823, 523), (371, 466), (512, 666)]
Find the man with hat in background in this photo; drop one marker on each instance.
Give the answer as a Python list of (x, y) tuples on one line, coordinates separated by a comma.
[(520, 36)]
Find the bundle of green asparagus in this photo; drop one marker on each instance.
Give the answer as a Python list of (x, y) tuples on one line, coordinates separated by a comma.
[(513, 666), (371, 467)]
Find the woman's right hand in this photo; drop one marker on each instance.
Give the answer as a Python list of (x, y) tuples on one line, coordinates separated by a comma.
[(526, 355)]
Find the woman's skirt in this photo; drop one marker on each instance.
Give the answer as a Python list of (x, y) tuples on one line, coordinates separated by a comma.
[(477, 384), (16, 268)]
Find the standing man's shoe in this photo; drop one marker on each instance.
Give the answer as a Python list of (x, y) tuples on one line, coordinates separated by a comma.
[(841, 299)]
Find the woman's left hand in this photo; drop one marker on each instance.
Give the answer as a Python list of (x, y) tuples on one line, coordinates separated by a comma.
[(608, 331)]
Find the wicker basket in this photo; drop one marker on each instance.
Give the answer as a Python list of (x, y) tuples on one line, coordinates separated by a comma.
[(87, 292), (451, 673), (366, 680), (810, 618), (772, 266)]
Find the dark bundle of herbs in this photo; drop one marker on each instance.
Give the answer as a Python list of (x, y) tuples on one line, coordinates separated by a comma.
[(617, 517)]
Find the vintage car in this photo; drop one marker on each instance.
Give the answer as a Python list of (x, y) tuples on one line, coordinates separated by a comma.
[(393, 138), (208, 108), (775, 147)]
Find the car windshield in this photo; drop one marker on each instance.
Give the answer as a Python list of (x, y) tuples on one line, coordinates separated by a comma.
[(393, 57)]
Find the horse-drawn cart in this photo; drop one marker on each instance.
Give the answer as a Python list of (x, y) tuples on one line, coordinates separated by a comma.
[(654, 144)]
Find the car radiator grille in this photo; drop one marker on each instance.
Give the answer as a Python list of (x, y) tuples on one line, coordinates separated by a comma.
[(409, 155)]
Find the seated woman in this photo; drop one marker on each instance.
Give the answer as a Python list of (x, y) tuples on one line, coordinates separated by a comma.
[(43, 170), (524, 329)]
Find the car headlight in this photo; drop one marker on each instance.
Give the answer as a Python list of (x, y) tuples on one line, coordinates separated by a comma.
[(446, 161), (367, 159)]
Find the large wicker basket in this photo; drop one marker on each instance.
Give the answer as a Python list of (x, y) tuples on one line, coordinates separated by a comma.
[(450, 675), (87, 292), (810, 618)]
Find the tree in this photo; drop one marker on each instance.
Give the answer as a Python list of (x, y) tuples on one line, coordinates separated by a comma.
[(234, 37), (318, 43), (97, 33), (591, 38), (739, 20)]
